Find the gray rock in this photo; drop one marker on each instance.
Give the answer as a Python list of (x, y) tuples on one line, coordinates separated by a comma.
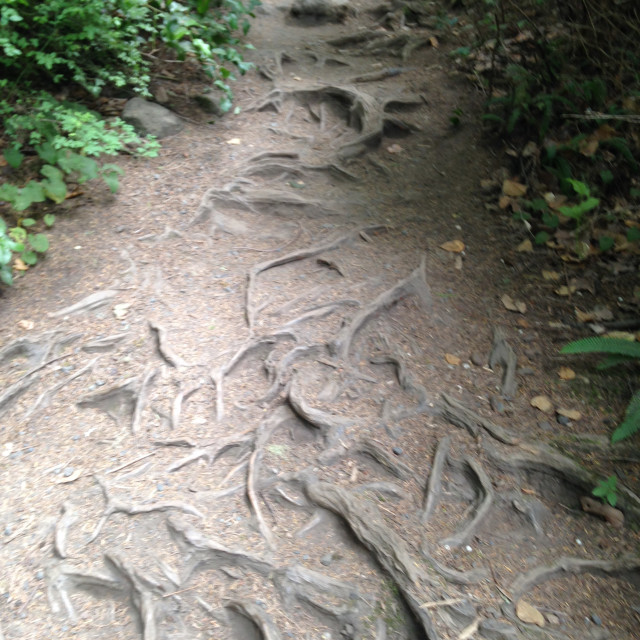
[(149, 118), (497, 630), (209, 102), (327, 10), (478, 359)]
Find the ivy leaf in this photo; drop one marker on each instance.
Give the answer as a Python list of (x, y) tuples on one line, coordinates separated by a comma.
[(39, 242), (110, 173), (32, 192), (29, 257), (48, 153), (28, 222), (5, 275), (13, 157), (49, 219)]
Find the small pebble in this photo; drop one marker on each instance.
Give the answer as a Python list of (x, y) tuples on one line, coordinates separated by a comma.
[(563, 420), (7, 531), (326, 559), (478, 359), (160, 486), (40, 574), (544, 425), (530, 353), (596, 619), (468, 548), (496, 404), (68, 471), (397, 450), (526, 371)]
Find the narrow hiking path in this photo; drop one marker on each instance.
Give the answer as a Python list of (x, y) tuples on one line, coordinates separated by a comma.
[(250, 395)]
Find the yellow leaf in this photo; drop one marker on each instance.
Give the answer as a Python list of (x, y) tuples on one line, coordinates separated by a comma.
[(513, 305), (572, 414), (565, 291), (543, 403), (566, 373), (451, 359), (552, 276), (513, 188), (120, 310), (504, 202), (526, 246), (433, 41), (19, 265), (453, 246), (27, 325), (395, 148), (529, 614), (622, 335)]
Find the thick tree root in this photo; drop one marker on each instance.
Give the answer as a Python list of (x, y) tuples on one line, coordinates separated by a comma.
[(91, 302), (460, 416), (258, 616), (434, 484), (114, 505), (388, 548), (68, 517), (502, 354), (414, 285), (486, 490), (165, 351), (117, 402)]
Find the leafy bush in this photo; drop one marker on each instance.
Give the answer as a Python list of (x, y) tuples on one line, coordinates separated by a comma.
[(620, 351)]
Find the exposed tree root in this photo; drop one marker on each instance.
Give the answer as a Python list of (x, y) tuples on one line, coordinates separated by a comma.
[(91, 302), (166, 353), (388, 548), (332, 428), (141, 399), (176, 407), (386, 489), (212, 452), (321, 311), (217, 375), (372, 450), (209, 551), (12, 393), (414, 284), (100, 345), (114, 505), (407, 384), (260, 618), (375, 43), (434, 484), (502, 354), (67, 518), (117, 402), (302, 254), (460, 416), (366, 114), (486, 491), (140, 592)]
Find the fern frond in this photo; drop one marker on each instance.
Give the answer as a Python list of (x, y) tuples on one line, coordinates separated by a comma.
[(631, 422), (598, 344), (613, 360)]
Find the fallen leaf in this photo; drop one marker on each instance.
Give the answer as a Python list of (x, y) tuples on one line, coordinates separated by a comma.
[(528, 613), (513, 305), (504, 202), (395, 148), (572, 414), (595, 315), (566, 373), (27, 325), (453, 246), (74, 476), (513, 188), (523, 323), (120, 310), (451, 359), (234, 141), (564, 290), (622, 335), (526, 246), (19, 265), (458, 263), (551, 276), (433, 41), (543, 403)]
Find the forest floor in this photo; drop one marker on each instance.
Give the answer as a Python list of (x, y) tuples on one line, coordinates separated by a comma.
[(272, 389)]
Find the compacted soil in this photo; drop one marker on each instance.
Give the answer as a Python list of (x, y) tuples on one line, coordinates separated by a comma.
[(271, 388)]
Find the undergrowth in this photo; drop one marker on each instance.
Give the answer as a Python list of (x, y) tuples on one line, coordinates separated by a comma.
[(87, 49)]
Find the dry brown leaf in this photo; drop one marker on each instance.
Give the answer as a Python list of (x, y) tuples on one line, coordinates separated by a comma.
[(528, 613), (513, 305), (27, 325), (526, 246), (234, 141), (504, 202), (530, 149), (572, 414), (551, 276), (451, 359), (433, 41), (622, 335), (453, 246), (120, 310), (613, 516), (543, 403), (598, 314), (566, 373), (513, 188), (395, 148), (564, 290), (19, 265), (523, 323)]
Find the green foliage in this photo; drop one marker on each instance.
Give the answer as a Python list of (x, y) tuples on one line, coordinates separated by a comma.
[(587, 203), (620, 351), (607, 490)]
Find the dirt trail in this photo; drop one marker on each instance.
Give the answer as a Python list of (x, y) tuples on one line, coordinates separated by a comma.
[(234, 417)]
